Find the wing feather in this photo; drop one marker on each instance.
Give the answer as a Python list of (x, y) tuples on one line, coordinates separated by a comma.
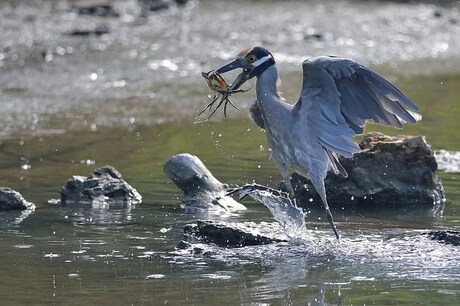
[(339, 96)]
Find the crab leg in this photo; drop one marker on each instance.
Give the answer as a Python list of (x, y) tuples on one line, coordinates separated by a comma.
[(216, 96)]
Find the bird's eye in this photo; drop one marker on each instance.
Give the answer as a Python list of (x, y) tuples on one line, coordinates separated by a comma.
[(251, 58)]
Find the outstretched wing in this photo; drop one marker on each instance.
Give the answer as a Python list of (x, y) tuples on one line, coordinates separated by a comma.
[(339, 96)]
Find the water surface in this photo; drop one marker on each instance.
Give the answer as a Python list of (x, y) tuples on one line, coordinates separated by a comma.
[(129, 99)]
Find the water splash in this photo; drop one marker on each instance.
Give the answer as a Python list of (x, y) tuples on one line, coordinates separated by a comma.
[(288, 215)]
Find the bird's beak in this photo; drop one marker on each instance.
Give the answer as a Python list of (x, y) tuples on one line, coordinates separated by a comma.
[(242, 77)]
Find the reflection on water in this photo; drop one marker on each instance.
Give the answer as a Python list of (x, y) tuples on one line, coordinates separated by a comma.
[(88, 251), (98, 214), (13, 217)]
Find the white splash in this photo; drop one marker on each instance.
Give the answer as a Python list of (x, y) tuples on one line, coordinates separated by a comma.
[(288, 215)]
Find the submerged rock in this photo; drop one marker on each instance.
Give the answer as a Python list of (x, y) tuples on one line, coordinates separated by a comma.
[(13, 200), (391, 172), (103, 187), (202, 191), (448, 237), (233, 235)]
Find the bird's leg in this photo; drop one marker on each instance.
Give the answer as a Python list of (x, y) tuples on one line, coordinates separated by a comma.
[(318, 183)]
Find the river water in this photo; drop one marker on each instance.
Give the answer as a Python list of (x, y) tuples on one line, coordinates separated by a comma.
[(129, 99)]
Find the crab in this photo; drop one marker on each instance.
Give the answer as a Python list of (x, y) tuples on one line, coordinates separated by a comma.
[(221, 89)]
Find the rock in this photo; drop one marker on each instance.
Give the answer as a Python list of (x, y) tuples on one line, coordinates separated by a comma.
[(202, 191), (13, 200), (448, 237), (95, 8), (233, 235), (97, 31), (154, 5), (391, 172), (103, 187)]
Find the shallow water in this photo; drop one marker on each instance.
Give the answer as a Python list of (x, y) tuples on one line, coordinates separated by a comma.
[(130, 100)]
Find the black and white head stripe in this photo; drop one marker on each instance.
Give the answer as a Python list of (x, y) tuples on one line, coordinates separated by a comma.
[(256, 56)]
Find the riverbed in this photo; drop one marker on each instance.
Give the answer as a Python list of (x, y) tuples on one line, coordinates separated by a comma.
[(130, 99)]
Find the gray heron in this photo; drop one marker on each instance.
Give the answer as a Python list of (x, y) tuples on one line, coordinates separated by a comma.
[(338, 97)]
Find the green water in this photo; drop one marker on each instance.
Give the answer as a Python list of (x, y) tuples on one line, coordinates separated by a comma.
[(129, 99), (52, 257)]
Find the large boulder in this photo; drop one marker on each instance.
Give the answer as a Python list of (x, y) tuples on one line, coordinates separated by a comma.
[(104, 186), (202, 191), (391, 172), (13, 200)]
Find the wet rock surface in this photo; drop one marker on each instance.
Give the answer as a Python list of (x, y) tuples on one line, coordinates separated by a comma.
[(13, 200), (232, 234), (390, 172), (448, 237), (202, 191), (102, 187)]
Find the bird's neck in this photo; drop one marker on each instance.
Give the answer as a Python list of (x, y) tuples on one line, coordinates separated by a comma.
[(269, 98), (268, 82)]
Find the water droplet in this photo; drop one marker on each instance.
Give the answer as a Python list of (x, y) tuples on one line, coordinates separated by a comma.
[(155, 276), (164, 230), (25, 167)]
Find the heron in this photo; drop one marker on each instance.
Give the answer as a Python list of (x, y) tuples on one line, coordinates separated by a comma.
[(338, 97)]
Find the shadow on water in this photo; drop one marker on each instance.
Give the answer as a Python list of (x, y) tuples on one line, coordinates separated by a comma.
[(128, 99)]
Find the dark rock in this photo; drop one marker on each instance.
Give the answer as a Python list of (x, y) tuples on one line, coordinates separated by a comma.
[(13, 200), (182, 2), (389, 172), (104, 186), (95, 8), (313, 36), (154, 5), (97, 31), (182, 245), (202, 191), (448, 237), (232, 235)]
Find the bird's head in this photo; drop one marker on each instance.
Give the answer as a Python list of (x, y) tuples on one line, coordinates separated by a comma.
[(253, 61)]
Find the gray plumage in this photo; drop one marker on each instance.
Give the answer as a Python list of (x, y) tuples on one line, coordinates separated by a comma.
[(338, 97)]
